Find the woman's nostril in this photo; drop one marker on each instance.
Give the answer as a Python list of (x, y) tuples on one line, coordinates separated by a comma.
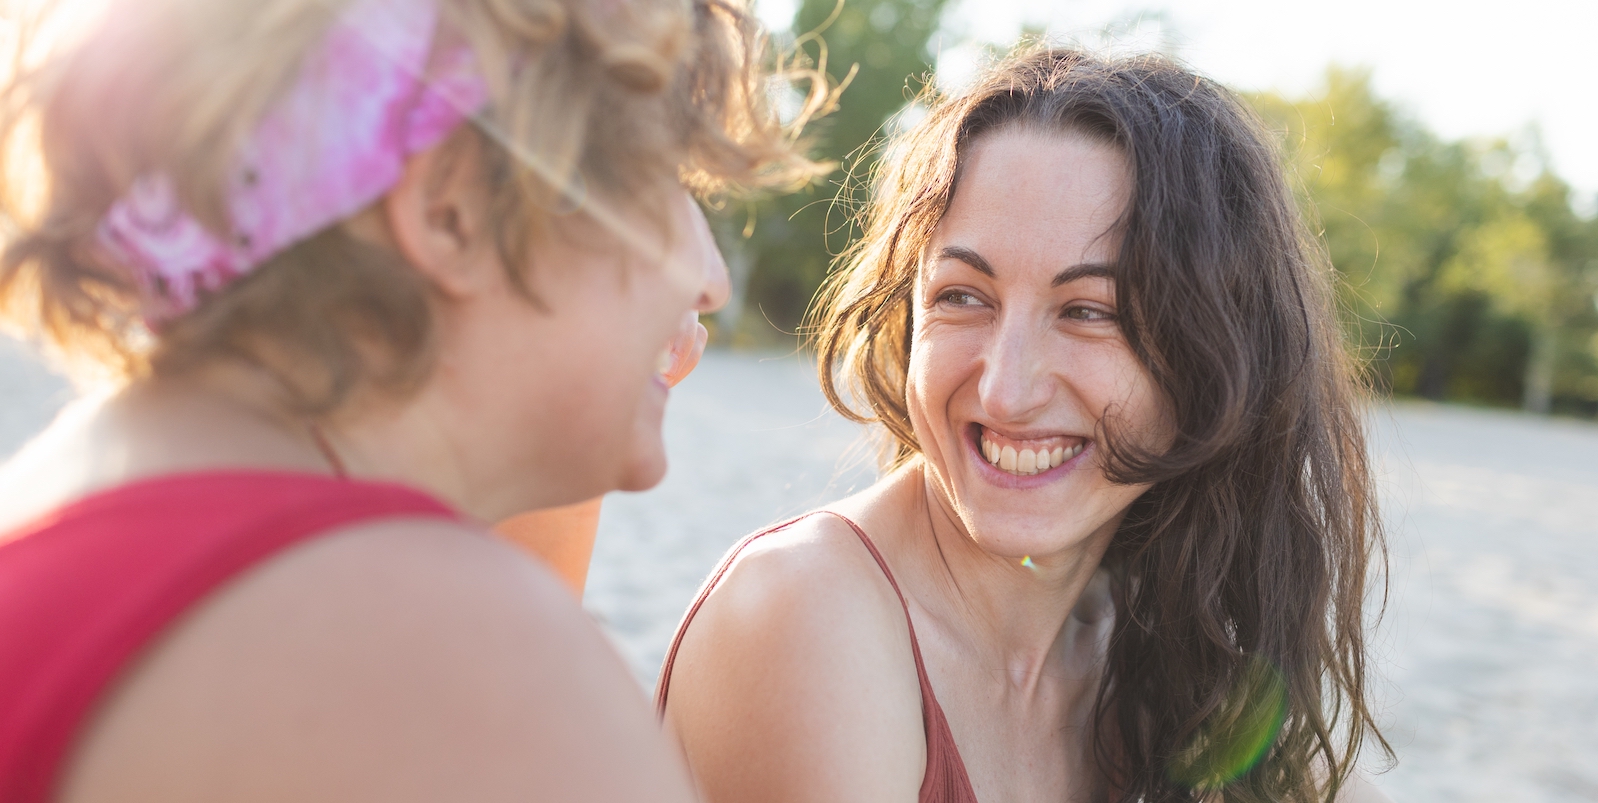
[(718, 288), (711, 301)]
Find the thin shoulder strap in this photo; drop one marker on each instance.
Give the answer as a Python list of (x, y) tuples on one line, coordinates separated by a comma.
[(915, 646), (946, 779), (664, 686)]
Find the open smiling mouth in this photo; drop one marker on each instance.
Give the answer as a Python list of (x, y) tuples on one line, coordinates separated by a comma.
[(1028, 456)]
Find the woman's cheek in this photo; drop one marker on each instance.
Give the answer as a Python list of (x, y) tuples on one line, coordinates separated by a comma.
[(950, 345), (1136, 400), (934, 363)]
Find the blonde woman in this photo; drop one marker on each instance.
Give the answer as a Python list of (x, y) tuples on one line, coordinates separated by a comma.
[(371, 274)]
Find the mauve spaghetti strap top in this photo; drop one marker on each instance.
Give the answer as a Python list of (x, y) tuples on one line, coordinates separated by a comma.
[(945, 780)]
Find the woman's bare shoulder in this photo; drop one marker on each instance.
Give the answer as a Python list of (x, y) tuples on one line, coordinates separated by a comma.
[(800, 659), (406, 660), (811, 579), (819, 555)]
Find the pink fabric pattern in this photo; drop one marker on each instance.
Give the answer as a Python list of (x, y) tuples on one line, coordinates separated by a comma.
[(373, 95)]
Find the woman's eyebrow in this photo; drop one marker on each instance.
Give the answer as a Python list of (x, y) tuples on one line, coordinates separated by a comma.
[(967, 256), (1082, 271), (1064, 277)]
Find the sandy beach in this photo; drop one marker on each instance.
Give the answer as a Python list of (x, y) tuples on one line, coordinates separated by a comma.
[(1488, 650)]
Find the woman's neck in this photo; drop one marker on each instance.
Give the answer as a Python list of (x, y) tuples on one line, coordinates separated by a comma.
[(1021, 616), (429, 440), (146, 429), (424, 442), (234, 417)]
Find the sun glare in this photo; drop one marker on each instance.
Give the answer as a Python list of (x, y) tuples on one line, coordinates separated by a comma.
[(34, 28), (29, 31)]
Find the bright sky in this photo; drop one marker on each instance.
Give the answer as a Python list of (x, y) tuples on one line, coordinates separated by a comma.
[(1466, 68)]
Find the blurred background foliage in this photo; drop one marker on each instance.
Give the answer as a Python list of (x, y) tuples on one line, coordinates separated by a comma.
[(1466, 272), (1468, 269), (780, 250)]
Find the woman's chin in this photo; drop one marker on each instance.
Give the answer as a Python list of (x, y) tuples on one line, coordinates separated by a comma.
[(1003, 540), (645, 463), (1004, 526), (643, 472)]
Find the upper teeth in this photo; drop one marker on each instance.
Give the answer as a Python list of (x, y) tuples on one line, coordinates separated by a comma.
[(664, 362), (1027, 461)]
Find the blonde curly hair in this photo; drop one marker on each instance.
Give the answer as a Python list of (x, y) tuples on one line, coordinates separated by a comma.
[(616, 95)]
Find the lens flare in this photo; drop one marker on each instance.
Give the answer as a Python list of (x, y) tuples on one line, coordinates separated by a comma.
[(1027, 562), (1238, 735)]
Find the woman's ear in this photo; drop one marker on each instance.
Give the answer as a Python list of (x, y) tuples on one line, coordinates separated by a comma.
[(438, 219)]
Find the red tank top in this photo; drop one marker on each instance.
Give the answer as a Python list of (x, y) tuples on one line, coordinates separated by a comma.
[(945, 780), (84, 588)]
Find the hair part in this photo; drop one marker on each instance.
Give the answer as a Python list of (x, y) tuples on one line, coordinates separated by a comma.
[(590, 102), (1245, 566)]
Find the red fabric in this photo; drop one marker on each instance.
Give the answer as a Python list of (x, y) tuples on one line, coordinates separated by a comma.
[(84, 588), (945, 780)]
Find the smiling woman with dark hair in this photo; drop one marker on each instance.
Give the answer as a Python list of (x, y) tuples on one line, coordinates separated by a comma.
[(1122, 548)]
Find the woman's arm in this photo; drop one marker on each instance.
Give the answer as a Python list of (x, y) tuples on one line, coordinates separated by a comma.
[(409, 661), (795, 681)]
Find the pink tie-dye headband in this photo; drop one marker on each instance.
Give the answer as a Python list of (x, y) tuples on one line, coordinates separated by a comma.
[(373, 95)]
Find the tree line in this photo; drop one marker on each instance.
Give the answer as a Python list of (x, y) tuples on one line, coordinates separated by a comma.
[(1467, 270)]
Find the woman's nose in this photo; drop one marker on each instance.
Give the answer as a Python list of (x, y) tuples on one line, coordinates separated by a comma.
[(717, 286), (1016, 382)]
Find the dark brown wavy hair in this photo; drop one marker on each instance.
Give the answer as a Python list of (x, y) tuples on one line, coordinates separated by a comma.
[(1237, 665)]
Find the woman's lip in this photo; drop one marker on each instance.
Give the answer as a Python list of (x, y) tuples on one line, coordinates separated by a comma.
[(1004, 479), (1024, 436)]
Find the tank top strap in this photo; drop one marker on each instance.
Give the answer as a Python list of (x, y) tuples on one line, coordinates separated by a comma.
[(663, 686), (86, 588), (915, 646), (946, 780)]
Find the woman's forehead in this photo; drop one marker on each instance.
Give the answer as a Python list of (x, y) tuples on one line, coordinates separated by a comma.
[(1039, 200), (1024, 175)]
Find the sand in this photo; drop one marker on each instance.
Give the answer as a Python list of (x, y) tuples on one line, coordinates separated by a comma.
[(1487, 654)]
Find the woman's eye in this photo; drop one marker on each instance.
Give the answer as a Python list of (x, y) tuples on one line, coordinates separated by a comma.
[(1087, 314), (958, 298)]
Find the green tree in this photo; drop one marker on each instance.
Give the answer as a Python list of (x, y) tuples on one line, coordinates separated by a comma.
[(780, 249), (1463, 279)]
